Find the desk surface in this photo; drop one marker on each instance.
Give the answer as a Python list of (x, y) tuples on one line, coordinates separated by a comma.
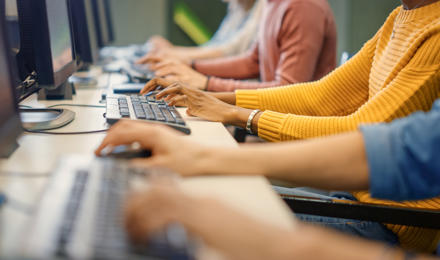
[(38, 154)]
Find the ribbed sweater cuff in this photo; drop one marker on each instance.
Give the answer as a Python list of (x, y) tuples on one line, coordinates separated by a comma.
[(270, 125), (247, 99)]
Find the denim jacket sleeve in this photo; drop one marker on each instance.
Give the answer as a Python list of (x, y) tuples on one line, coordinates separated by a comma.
[(404, 156)]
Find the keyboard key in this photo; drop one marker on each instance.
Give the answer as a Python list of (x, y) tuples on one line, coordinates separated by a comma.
[(168, 116), (157, 112), (148, 112)]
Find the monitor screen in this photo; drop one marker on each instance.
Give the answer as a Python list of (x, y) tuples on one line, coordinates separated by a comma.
[(59, 30)]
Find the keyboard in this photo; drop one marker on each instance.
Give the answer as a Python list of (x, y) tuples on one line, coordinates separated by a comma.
[(144, 108), (109, 239)]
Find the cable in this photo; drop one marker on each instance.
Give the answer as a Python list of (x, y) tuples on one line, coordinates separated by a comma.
[(75, 105), (23, 175), (67, 133)]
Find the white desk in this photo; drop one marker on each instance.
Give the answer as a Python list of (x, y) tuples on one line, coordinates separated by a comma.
[(38, 155)]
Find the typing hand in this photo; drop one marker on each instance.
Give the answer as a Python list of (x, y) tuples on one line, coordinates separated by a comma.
[(235, 235), (159, 43), (166, 146), (175, 70), (199, 103)]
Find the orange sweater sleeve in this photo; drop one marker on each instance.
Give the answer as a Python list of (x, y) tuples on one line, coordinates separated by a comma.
[(340, 103)]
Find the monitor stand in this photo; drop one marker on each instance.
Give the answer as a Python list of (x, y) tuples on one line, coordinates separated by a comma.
[(10, 150), (85, 77), (63, 92), (45, 119)]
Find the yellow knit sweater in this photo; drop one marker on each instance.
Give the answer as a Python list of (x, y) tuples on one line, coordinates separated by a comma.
[(393, 75)]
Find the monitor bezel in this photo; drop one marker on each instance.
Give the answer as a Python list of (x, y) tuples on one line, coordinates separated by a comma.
[(12, 128), (103, 41), (89, 54)]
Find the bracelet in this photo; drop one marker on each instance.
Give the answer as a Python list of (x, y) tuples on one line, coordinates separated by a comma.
[(250, 119)]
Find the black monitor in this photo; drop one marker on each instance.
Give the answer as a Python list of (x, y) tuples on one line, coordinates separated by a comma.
[(46, 42), (103, 20), (85, 32), (10, 125)]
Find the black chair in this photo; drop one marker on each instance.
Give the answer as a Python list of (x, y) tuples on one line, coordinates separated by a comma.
[(424, 218)]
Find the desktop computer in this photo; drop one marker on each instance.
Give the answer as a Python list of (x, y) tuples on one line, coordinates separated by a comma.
[(10, 125), (47, 45), (46, 60)]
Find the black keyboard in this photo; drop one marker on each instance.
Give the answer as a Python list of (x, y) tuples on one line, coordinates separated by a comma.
[(110, 239), (145, 108), (138, 73)]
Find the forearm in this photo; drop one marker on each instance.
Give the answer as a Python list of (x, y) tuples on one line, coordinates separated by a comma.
[(203, 53), (227, 97), (237, 67), (306, 241), (333, 163)]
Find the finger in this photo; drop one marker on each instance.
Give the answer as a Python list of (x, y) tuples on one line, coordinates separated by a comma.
[(149, 59), (166, 71), (162, 64), (188, 112), (154, 84), (108, 138), (174, 89), (178, 101)]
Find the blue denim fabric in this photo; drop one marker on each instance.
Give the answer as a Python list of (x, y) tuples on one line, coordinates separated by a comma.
[(365, 229), (404, 156)]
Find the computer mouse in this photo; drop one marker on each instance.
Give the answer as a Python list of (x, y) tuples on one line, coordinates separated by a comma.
[(126, 152)]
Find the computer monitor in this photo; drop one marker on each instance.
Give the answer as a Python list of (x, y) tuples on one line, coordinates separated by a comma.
[(103, 20), (85, 32), (10, 125), (46, 42)]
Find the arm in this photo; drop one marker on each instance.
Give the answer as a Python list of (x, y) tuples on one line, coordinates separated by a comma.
[(339, 93), (403, 157), (239, 67), (217, 224)]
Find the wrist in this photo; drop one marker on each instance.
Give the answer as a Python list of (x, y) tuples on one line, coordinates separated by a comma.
[(236, 116), (204, 82)]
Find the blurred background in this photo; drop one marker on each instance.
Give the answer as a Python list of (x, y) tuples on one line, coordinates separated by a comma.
[(137, 20)]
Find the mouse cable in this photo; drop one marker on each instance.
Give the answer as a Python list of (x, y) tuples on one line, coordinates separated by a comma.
[(67, 133)]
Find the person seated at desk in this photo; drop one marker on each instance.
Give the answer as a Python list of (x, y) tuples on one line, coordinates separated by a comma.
[(234, 36), (396, 73), (296, 43), (398, 161)]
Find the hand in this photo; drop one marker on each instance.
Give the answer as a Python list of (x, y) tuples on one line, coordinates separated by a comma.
[(159, 43), (150, 211), (199, 103), (234, 234), (165, 144), (175, 70), (155, 57)]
